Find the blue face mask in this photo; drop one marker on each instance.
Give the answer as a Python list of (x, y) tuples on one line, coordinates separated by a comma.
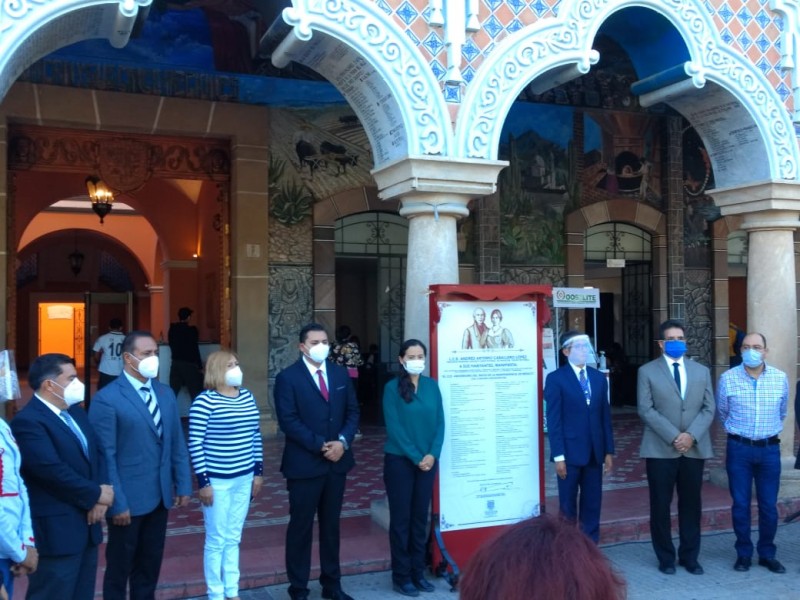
[(752, 358), (675, 348)]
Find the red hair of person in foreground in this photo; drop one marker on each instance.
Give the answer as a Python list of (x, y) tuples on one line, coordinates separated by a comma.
[(544, 557)]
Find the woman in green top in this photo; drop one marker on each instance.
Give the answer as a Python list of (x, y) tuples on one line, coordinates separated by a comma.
[(412, 408)]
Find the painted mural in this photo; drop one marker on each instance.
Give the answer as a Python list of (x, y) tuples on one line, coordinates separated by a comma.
[(538, 185), (699, 207)]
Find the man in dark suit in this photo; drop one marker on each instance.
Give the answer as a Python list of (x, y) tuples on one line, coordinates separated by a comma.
[(676, 403), (317, 410), (68, 484), (137, 420), (580, 434)]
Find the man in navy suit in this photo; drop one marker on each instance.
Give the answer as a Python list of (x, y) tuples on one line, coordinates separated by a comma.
[(317, 410), (137, 420), (579, 429), (68, 484)]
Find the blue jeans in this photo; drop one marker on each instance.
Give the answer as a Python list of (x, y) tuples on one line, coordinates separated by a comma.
[(746, 464)]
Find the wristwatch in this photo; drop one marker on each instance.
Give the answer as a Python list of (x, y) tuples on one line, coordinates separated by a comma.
[(344, 442)]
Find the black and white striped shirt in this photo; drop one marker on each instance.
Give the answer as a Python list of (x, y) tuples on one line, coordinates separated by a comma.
[(224, 436)]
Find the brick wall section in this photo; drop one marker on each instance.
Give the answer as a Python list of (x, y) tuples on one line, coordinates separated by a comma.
[(673, 204)]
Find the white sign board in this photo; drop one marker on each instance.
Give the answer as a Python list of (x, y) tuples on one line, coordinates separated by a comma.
[(488, 375), (576, 297)]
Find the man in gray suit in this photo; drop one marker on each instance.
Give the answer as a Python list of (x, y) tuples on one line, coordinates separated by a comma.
[(676, 403), (137, 420)]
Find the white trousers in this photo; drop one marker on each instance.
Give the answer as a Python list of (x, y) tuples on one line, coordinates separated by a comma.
[(224, 521)]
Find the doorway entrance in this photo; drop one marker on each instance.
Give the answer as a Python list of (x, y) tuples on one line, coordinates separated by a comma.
[(618, 261), (61, 329), (371, 253)]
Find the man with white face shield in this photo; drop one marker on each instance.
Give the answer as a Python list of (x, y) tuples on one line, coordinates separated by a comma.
[(580, 434), (137, 420), (68, 483)]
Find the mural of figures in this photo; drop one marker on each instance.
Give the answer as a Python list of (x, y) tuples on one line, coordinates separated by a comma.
[(699, 208), (535, 187), (620, 152)]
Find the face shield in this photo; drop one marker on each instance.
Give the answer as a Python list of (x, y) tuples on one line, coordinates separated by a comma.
[(581, 351)]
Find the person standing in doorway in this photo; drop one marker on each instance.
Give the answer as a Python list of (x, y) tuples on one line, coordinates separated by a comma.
[(187, 366), (318, 413), (752, 402), (108, 353), (580, 434), (676, 403), (68, 483), (136, 418), (412, 407)]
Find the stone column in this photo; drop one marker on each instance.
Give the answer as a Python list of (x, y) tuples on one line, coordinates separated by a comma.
[(770, 213), (772, 296), (434, 193)]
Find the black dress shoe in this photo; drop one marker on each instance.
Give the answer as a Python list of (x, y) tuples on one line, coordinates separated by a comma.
[(406, 589), (693, 568), (742, 564), (667, 569), (423, 585), (772, 564), (335, 595)]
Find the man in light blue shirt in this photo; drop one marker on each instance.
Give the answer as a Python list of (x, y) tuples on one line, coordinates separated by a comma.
[(751, 401)]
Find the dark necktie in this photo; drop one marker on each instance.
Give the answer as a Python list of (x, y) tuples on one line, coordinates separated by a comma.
[(677, 374), (152, 407), (585, 387), (322, 387), (76, 430)]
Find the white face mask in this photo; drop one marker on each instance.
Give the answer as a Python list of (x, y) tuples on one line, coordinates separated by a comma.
[(319, 352), (233, 377), (73, 392), (415, 366), (148, 366)]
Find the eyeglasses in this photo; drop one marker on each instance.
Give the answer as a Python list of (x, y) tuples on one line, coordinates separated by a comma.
[(583, 346), (756, 348)]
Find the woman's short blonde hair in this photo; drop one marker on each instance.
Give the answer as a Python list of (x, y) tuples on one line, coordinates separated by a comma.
[(216, 366)]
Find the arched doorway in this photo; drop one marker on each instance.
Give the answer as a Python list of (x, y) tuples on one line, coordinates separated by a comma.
[(371, 249), (618, 262)]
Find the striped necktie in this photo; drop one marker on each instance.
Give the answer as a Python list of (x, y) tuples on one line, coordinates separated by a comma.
[(152, 407)]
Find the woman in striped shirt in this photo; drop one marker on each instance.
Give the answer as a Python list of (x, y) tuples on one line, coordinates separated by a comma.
[(226, 449)]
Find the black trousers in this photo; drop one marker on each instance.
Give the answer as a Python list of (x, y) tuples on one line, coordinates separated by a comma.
[(71, 576), (409, 491), (105, 379), (320, 496), (664, 476), (133, 556), (185, 373)]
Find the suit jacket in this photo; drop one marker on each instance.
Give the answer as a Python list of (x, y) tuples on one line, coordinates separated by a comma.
[(308, 420), (63, 483), (573, 428), (666, 414), (145, 470)]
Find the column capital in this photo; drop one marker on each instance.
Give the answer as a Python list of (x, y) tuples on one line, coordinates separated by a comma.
[(771, 220), (777, 196), (429, 178)]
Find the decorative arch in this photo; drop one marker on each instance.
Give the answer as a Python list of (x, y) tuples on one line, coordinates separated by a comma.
[(377, 68), (551, 52), (626, 211), (31, 29)]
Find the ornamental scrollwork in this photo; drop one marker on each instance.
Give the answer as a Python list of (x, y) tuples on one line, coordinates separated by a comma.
[(370, 32), (531, 52)]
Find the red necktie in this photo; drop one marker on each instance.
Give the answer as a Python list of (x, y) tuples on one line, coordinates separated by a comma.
[(322, 387)]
